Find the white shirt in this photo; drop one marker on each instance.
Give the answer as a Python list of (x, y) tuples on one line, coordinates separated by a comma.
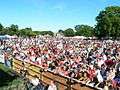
[(2, 58), (105, 57), (99, 76), (100, 62), (52, 87), (106, 88), (35, 81)]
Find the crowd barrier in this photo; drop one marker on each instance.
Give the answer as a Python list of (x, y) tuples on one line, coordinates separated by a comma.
[(47, 76)]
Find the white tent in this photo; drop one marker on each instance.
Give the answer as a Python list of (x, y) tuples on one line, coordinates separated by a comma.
[(80, 37), (10, 37)]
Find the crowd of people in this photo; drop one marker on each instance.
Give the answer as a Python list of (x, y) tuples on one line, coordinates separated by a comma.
[(93, 62)]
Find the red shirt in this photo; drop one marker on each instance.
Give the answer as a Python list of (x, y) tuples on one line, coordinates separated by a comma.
[(91, 73)]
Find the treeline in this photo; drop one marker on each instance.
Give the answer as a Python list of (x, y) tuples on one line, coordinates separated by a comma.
[(79, 30), (108, 25), (26, 32)]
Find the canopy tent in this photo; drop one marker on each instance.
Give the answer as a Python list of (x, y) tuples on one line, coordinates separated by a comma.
[(4, 37), (80, 37)]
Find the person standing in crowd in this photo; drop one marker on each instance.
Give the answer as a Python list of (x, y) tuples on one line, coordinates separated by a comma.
[(35, 84), (6, 59), (52, 86), (68, 55)]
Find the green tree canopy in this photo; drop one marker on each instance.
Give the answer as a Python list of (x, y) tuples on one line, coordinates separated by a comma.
[(27, 32), (47, 32), (14, 28), (108, 22), (60, 31), (37, 32), (69, 32), (84, 30), (1, 27)]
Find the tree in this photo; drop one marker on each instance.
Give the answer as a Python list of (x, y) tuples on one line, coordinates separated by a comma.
[(1, 27), (60, 31), (5, 31), (69, 32), (27, 32), (37, 32), (108, 22), (47, 32), (14, 28), (84, 30), (77, 27), (28, 29), (50, 33)]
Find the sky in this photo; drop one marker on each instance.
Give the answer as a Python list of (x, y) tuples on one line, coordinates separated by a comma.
[(51, 15)]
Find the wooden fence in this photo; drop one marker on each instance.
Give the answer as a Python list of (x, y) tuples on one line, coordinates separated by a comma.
[(47, 76)]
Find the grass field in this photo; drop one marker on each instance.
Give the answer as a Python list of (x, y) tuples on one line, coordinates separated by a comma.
[(8, 80)]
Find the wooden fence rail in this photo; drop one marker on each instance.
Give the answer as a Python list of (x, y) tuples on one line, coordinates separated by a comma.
[(47, 76)]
